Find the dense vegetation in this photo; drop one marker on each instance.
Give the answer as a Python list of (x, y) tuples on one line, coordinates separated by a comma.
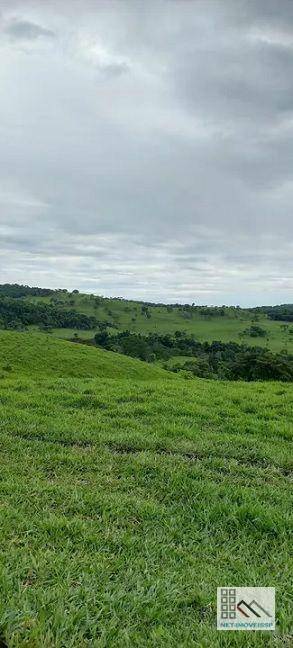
[(16, 290), (17, 313), (128, 495), (241, 364), (229, 361), (255, 331), (284, 312)]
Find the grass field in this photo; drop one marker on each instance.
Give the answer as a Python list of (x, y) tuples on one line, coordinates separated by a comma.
[(126, 501), (36, 353), (128, 315)]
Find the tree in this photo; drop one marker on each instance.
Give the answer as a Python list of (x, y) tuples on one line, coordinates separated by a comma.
[(145, 311), (255, 331)]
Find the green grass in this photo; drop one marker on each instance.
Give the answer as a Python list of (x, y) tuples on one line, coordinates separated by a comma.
[(174, 361), (69, 333), (37, 353), (125, 503), (225, 328)]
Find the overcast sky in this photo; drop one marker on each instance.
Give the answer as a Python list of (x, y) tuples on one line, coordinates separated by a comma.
[(146, 148)]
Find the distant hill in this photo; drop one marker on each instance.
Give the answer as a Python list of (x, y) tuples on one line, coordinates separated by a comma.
[(78, 313)]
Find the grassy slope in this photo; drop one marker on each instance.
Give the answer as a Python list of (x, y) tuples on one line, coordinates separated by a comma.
[(220, 328), (124, 504), (36, 353)]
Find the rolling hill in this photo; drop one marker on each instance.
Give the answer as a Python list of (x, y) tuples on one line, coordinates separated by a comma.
[(225, 324), (125, 503), (36, 354), (207, 324)]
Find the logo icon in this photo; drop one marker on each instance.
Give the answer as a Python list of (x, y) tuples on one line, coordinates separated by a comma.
[(246, 608)]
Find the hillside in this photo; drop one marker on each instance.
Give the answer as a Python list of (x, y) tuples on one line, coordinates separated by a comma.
[(36, 354), (124, 504), (125, 490), (74, 313), (206, 323)]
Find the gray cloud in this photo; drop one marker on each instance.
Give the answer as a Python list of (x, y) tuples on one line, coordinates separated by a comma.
[(26, 30), (148, 151)]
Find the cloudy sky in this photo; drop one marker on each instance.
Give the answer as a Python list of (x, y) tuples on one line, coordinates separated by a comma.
[(146, 148)]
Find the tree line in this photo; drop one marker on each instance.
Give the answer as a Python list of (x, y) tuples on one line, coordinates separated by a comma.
[(17, 290), (283, 312), (220, 360), (19, 313)]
